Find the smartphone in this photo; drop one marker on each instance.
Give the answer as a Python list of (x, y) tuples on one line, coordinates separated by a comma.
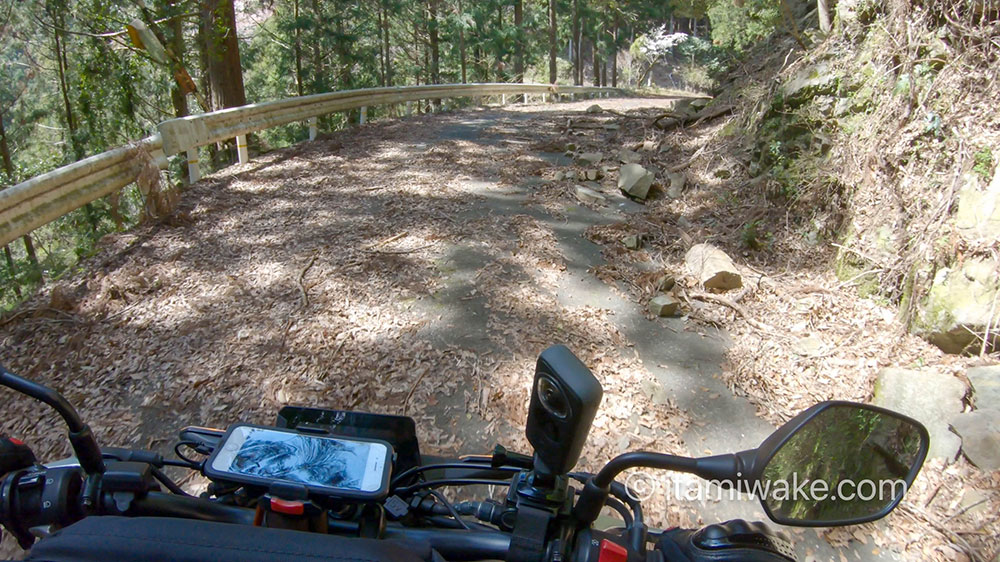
[(328, 466)]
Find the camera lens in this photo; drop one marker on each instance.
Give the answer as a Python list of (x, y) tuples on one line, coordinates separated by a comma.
[(552, 397)]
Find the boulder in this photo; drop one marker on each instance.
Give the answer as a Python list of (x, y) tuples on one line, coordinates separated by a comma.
[(665, 283), (593, 174), (648, 146), (664, 305), (560, 175), (589, 158), (635, 180), (808, 83), (812, 346), (677, 181), (985, 387), (626, 156), (713, 268), (595, 109), (632, 242), (700, 103), (978, 214), (974, 502), (959, 305), (980, 433), (587, 195), (933, 399), (656, 392)]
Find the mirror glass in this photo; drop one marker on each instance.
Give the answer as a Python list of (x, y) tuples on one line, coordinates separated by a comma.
[(844, 464)]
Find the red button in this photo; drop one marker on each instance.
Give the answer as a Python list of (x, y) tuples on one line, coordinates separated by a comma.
[(287, 507), (612, 552)]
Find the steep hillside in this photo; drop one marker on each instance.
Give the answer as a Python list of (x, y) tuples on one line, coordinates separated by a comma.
[(879, 142), (854, 182)]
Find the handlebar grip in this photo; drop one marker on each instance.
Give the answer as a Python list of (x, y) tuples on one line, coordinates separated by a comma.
[(455, 544), (158, 504), (14, 455)]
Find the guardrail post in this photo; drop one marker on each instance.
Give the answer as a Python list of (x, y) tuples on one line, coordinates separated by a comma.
[(364, 114), (503, 99), (312, 128), (194, 172), (241, 149), (409, 108)]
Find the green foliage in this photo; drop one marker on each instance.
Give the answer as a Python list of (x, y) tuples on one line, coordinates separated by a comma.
[(984, 163), (755, 238), (689, 8), (74, 85), (737, 28), (703, 53)]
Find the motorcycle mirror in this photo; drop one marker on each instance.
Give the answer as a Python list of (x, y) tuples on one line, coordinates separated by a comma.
[(80, 436), (838, 463)]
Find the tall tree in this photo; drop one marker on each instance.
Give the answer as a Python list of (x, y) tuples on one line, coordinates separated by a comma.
[(29, 247), (433, 41), (519, 40), (614, 48), (823, 9), (297, 47), (8, 167), (577, 44), (222, 53), (461, 42), (553, 76)]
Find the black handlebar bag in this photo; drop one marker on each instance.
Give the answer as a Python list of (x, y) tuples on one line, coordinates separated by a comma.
[(142, 539)]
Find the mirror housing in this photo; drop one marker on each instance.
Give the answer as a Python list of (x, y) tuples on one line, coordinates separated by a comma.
[(898, 446)]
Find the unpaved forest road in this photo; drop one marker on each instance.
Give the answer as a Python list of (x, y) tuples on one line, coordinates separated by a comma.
[(415, 266)]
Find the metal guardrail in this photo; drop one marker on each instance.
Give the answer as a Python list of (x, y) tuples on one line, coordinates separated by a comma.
[(43, 199)]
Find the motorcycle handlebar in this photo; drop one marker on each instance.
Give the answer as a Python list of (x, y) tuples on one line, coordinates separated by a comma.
[(450, 543)]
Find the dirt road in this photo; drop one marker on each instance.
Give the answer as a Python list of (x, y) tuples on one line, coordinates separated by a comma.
[(411, 267)]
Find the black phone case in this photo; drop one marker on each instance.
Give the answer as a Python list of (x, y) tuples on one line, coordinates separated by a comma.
[(317, 491)]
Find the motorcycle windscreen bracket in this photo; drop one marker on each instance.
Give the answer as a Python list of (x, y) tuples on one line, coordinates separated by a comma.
[(565, 396)]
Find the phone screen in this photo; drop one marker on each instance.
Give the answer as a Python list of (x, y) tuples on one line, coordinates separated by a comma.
[(315, 461)]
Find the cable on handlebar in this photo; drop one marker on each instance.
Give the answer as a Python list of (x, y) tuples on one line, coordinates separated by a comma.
[(169, 484), (407, 490), (191, 463), (450, 508), (621, 509), (471, 466), (619, 491)]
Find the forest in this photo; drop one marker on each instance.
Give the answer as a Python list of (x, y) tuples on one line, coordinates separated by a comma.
[(83, 76)]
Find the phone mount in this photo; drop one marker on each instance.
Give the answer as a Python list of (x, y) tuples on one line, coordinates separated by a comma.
[(565, 396)]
